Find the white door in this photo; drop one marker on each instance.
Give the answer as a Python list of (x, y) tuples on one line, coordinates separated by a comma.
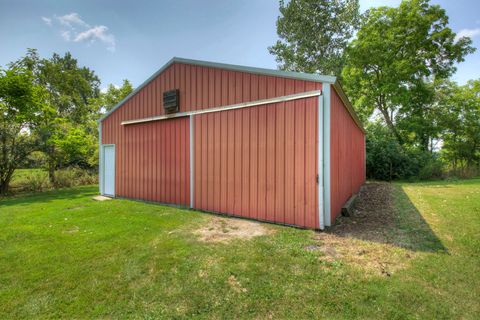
[(109, 170)]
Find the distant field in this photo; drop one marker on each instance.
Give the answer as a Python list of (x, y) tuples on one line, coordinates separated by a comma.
[(412, 251)]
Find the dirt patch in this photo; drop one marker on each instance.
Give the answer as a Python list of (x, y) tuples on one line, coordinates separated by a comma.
[(74, 229), (235, 284), (75, 208), (374, 217), (101, 198), (370, 238), (372, 257), (220, 229)]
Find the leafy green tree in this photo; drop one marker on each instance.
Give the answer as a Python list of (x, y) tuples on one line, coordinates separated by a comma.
[(102, 104), (419, 120), (20, 103), (396, 52), (113, 95), (314, 33), (70, 88), (460, 118)]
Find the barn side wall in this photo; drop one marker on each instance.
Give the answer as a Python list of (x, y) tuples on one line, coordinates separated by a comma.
[(259, 162), (347, 155)]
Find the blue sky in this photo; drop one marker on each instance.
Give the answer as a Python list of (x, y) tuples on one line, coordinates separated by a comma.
[(132, 39)]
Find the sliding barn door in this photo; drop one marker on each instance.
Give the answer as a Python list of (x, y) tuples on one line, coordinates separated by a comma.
[(259, 162), (155, 162)]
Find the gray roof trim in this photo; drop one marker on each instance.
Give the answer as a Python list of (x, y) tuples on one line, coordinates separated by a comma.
[(140, 87), (348, 105), (261, 71), (254, 70)]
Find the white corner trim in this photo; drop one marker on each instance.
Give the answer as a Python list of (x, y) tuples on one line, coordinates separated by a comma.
[(326, 88), (364, 158), (321, 214), (192, 159), (296, 96), (100, 159)]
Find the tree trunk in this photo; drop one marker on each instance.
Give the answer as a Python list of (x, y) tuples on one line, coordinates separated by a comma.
[(424, 142), (51, 171), (3, 188), (390, 125), (5, 182), (51, 163)]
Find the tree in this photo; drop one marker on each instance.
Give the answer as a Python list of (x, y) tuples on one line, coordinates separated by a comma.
[(70, 88), (314, 33), (20, 104), (460, 118), (114, 95), (396, 52)]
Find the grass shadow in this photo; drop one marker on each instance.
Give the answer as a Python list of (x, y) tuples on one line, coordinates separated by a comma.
[(24, 199), (385, 214)]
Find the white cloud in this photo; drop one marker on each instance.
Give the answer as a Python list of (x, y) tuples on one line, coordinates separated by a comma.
[(71, 20), (367, 4), (74, 28), (65, 35), (105, 89), (471, 33), (97, 33), (47, 21)]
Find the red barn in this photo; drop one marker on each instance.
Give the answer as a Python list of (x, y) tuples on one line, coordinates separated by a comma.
[(269, 145)]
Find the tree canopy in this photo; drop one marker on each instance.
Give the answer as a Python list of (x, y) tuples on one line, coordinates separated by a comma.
[(314, 33), (394, 55), (21, 103), (51, 105), (396, 64)]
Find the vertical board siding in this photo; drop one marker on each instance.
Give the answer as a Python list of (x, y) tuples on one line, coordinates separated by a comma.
[(245, 165), (205, 87), (347, 156), (153, 161)]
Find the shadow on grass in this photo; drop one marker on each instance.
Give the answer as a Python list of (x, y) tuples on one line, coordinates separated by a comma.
[(385, 214), (24, 199)]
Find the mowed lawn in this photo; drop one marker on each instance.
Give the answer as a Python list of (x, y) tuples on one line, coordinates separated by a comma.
[(64, 255)]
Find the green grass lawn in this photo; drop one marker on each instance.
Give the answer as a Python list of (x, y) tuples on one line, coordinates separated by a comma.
[(64, 255)]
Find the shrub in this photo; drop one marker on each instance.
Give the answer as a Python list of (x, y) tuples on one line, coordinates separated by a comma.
[(385, 157), (388, 160), (433, 168), (464, 172), (35, 181), (36, 159), (74, 176)]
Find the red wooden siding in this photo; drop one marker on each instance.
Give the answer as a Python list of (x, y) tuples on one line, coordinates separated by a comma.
[(152, 160), (140, 146), (259, 162), (203, 88), (347, 156)]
